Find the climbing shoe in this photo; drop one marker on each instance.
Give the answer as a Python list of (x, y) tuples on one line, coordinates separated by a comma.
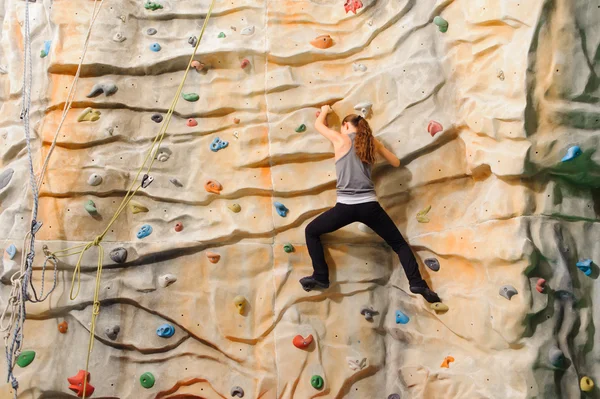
[(310, 282), (429, 295)]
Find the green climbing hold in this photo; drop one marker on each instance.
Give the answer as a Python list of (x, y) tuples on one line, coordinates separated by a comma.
[(25, 358), (147, 380), (316, 381), (90, 207), (150, 5), (301, 128), (288, 248), (441, 23), (221, 35), (191, 97)]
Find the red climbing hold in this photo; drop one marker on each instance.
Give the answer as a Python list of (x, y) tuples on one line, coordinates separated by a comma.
[(352, 5), (245, 63), (178, 226), (63, 327), (434, 128), (77, 383), (302, 343), (540, 285), (191, 122), (236, 120)]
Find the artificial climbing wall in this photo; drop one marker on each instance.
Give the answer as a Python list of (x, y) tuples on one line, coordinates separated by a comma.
[(512, 84)]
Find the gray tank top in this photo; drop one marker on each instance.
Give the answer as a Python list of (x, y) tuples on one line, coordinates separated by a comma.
[(353, 175)]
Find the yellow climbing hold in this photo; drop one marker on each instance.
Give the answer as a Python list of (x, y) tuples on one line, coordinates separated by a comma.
[(89, 114), (240, 303), (439, 307), (586, 384), (422, 215), (136, 207)]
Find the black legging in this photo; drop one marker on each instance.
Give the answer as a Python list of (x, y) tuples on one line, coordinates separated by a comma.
[(374, 216)]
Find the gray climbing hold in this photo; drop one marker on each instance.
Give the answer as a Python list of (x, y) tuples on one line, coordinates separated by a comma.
[(107, 88), (5, 177), (556, 357), (237, 392), (118, 37), (508, 291), (118, 255), (364, 108), (192, 40), (394, 396), (166, 279), (247, 31), (112, 332), (432, 263), (94, 179), (157, 118), (175, 182), (151, 31), (368, 312)]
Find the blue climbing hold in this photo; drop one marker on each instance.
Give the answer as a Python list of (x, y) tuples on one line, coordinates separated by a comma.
[(11, 251), (218, 144), (144, 231), (572, 152), (281, 209), (401, 318), (165, 331), (46, 49), (585, 266), (155, 47)]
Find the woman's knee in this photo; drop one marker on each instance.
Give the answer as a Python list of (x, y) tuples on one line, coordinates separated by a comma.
[(312, 230)]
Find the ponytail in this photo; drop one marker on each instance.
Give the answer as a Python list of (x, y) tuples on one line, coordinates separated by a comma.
[(364, 143)]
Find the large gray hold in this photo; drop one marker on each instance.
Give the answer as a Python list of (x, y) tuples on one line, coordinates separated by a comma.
[(118, 255), (5, 177), (112, 332), (107, 88), (508, 291), (432, 263)]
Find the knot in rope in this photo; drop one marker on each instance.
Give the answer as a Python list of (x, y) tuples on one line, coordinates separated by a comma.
[(97, 240)]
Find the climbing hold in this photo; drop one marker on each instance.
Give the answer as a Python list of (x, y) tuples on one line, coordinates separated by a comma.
[(245, 63), (585, 266), (500, 74), (302, 343), (218, 144), (167, 279), (301, 128), (144, 231), (439, 307), (178, 226), (237, 391), (94, 179), (46, 50), (213, 186), (151, 31), (288, 248), (165, 331), (233, 28), (191, 122), (89, 115), (434, 128), (364, 108), (352, 5), (147, 380), (110, 131), (240, 303), (175, 182), (572, 152), (163, 155), (422, 215), (136, 207), (556, 357), (508, 291), (322, 42), (5, 177), (540, 285), (118, 37), (123, 18), (63, 327), (25, 358), (76, 384), (236, 121), (221, 35), (235, 208), (11, 251), (401, 318), (432, 263), (247, 31), (213, 257), (197, 65), (281, 209), (90, 207), (441, 23), (191, 97), (151, 5), (368, 312), (108, 89), (155, 47), (236, 134), (356, 364), (193, 40), (158, 118), (147, 180), (447, 361), (112, 332), (393, 396), (316, 381), (586, 384), (359, 67)]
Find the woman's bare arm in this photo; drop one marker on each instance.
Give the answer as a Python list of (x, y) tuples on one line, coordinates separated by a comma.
[(387, 154)]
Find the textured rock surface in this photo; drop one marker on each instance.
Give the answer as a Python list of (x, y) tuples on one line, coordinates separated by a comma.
[(514, 84)]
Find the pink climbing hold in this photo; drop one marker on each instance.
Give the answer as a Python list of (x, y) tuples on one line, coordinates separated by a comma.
[(178, 226), (191, 122), (197, 65), (352, 5), (540, 285), (434, 128), (245, 63)]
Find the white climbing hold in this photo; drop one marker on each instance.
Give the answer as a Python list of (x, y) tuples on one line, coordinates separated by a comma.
[(122, 18), (236, 134), (359, 67), (247, 31), (167, 279), (163, 155), (118, 37), (356, 364), (364, 108), (370, 22), (110, 131), (94, 179), (365, 229), (3, 70)]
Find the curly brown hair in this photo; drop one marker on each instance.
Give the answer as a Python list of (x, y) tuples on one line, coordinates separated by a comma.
[(364, 143)]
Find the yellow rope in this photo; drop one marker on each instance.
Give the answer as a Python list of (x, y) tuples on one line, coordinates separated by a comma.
[(128, 197)]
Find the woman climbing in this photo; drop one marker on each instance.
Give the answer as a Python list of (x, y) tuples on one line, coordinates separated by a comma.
[(355, 149)]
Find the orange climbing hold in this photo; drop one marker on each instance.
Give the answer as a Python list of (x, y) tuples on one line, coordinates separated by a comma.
[(447, 361), (197, 65), (434, 128), (323, 41), (76, 383), (301, 342), (63, 327), (213, 186), (213, 257)]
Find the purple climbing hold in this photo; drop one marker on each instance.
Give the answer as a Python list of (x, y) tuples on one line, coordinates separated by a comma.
[(151, 31), (118, 255), (432, 263)]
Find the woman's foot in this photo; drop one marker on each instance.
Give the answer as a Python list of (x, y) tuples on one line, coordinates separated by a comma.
[(429, 295), (310, 282)]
